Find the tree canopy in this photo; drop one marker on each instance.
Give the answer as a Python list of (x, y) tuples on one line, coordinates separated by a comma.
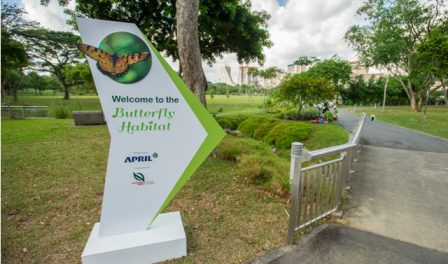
[(305, 60), (391, 38), (335, 70), (227, 26), (302, 88), (49, 51)]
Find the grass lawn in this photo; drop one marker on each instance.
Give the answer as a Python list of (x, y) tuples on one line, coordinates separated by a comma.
[(52, 187), (219, 104), (235, 104), (436, 122)]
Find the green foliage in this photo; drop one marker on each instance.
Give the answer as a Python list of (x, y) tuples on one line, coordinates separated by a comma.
[(285, 133), (50, 51), (217, 21), (79, 77), (302, 88), (250, 125), (330, 117), (231, 121), (60, 111), (335, 70), (263, 130), (432, 53), (305, 60), (256, 163), (304, 115), (371, 92), (391, 38)]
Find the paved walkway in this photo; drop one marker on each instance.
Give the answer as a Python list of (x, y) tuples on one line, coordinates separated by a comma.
[(398, 205), (337, 244)]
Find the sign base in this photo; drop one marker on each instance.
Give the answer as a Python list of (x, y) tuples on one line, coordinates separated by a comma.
[(164, 240)]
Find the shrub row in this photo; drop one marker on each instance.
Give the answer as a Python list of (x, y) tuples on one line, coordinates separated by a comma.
[(304, 115), (276, 132), (231, 121)]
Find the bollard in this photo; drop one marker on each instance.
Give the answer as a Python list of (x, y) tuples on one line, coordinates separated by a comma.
[(294, 176)]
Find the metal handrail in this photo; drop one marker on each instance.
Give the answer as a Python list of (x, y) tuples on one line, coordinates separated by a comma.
[(300, 155), (353, 142)]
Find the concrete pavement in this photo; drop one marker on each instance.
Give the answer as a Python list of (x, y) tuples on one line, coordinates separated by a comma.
[(398, 206), (337, 244)]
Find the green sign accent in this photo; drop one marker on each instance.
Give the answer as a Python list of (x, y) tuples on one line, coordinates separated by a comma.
[(139, 177), (214, 131)]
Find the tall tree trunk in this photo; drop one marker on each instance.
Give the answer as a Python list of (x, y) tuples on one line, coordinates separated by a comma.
[(5, 99), (14, 95), (446, 97), (66, 91), (385, 93), (188, 46)]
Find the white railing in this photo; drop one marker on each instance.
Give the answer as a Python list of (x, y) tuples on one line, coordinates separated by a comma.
[(26, 111), (316, 191)]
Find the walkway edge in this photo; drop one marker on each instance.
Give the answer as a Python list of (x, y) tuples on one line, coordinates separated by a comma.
[(278, 253)]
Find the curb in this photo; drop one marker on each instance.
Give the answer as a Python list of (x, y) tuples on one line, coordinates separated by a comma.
[(280, 252)]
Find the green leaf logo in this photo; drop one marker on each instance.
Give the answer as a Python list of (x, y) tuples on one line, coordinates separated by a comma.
[(139, 177)]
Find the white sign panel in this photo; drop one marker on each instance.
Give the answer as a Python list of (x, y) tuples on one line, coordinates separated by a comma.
[(159, 131)]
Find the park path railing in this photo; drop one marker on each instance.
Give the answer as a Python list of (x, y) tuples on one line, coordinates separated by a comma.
[(316, 191), (26, 111)]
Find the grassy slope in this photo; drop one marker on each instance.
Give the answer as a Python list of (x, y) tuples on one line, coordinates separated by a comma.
[(53, 176), (436, 122)]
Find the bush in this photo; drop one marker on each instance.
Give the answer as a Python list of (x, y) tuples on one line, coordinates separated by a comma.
[(330, 117), (250, 125), (231, 121), (265, 128), (303, 115), (60, 112), (285, 133)]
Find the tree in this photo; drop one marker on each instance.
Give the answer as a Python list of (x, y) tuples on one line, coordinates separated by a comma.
[(188, 47), (302, 88), (48, 50), (335, 70), (78, 76), (14, 57), (391, 38), (305, 60), (432, 54), (51, 52), (223, 27)]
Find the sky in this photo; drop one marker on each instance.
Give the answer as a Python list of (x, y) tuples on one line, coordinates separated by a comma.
[(296, 28)]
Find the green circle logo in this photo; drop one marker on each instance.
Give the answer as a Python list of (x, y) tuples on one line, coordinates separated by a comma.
[(130, 54)]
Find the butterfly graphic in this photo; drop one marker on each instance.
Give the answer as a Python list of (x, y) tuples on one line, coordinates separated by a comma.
[(111, 64)]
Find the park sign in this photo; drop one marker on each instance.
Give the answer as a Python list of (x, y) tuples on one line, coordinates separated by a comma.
[(160, 134)]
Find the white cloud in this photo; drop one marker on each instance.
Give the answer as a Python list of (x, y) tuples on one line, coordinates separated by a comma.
[(300, 27), (51, 16)]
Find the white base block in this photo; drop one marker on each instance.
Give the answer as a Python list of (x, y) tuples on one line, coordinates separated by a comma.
[(164, 240)]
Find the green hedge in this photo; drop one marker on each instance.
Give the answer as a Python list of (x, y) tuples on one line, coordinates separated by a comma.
[(285, 133), (231, 121), (273, 131)]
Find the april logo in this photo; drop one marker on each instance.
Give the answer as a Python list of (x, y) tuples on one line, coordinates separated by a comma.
[(140, 179)]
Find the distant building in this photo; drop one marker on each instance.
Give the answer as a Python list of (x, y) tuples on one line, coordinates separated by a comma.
[(293, 68), (225, 75), (273, 82), (244, 78), (366, 72)]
